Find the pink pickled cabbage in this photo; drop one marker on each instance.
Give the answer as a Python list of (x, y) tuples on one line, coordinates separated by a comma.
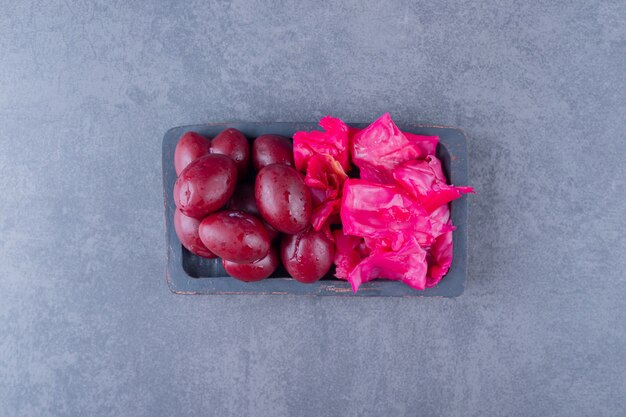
[(439, 259), (440, 256), (324, 213), (333, 142), (425, 181), (318, 196), (396, 217), (441, 214), (427, 144), (386, 213), (349, 252), (381, 147), (326, 176), (407, 264)]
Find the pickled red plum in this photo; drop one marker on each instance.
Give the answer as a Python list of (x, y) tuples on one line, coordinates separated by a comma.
[(307, 256), (205, 185), (235, 236), (272, 149), (255, 271), (187, 231), (283, 198), (190, 147), (232, 143)]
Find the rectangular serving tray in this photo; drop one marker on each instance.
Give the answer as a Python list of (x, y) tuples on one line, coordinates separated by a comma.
[(190, 274)]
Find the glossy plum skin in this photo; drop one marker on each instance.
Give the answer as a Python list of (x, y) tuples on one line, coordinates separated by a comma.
[(232, 143), (307, 256), (235, 236), (190, 147), (187, 231), (205, 185), (255, 271), (272, 149), (243, 199), (283, 198)]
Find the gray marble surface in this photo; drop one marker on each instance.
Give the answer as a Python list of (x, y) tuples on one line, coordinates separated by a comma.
[(88, 326)]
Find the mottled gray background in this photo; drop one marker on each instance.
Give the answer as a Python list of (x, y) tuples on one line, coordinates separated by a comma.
[(88, 326)]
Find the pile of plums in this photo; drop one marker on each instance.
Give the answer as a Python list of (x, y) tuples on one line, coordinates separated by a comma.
[(228, 209)]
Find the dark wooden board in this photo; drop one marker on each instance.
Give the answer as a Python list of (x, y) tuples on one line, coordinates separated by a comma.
[(189, 274)]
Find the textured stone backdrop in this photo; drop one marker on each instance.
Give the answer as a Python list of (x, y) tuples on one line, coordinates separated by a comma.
[(87, 323)]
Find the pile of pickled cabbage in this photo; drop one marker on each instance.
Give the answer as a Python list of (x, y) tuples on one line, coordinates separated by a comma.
[(384, 193)]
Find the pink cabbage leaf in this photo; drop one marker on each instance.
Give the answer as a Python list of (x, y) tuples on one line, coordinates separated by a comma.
[(333, 142), (381, 147), (425, 181), (325, 177), (439, 259), (386, 213), (427, 144), (325, 214), (326, 174), (407, 264), (349, 252)]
